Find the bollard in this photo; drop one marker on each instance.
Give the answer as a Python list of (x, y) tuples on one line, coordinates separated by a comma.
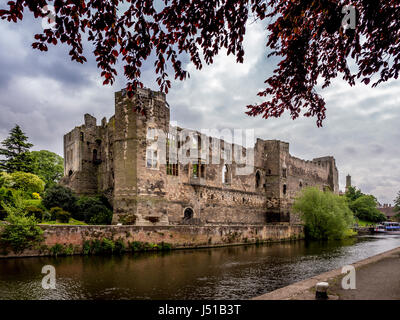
[(321, 292)]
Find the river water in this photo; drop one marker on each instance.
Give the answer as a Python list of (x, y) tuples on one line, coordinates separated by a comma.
[(240, 272)]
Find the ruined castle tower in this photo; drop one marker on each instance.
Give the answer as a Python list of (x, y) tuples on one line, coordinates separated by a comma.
[(127, 160)]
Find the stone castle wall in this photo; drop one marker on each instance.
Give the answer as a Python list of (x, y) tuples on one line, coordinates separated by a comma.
[(113, 158)]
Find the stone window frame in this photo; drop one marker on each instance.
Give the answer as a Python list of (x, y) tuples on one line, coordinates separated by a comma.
[(258, 183), (154, 158), (226, 175)]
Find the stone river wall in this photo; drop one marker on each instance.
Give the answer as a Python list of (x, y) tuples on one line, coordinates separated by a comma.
[(176, 237)]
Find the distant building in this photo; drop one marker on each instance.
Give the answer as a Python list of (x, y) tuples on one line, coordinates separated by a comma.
[(388, 211)]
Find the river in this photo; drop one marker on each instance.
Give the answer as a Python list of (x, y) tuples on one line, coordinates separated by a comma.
[(240, 272)]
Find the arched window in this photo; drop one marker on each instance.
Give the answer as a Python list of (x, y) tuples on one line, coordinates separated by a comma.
[(284, 189), (188, 214), (258, 179), (226, 174)]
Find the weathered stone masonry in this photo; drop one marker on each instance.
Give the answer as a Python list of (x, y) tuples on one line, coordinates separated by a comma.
[(118, 159)]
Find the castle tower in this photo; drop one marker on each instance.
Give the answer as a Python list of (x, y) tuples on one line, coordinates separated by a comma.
[(139, 173), (348, 182)]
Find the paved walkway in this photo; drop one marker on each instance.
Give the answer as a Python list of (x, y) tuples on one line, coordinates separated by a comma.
[(377, 278), (376, 281)]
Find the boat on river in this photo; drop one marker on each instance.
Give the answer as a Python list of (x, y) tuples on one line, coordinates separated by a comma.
[(387, 227)]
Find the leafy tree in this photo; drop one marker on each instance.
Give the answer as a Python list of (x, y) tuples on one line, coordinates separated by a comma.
[(48, 165), (59, 196), (352, 193), (7, 198), (27, 182), (325, 214), (307, 36), (364, 206), (397, 203), (22, 231), (16, 152)]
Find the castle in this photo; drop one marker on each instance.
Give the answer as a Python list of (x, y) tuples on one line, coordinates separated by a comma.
[(157, 174)]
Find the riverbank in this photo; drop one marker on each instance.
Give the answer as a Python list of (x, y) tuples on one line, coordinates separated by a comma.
[(377, 278), (74, 238)]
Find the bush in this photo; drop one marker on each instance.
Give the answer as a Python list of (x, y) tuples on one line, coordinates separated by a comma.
[(107, 246), (5, 179), (57, 249), (27, 182), (59, 196), (95, 246), (46, 216), (325, 215), (86, 247), (53, 213), (92, 210), (119, 246), (22, 233), (63, 216), (7, 198), (32, 211)]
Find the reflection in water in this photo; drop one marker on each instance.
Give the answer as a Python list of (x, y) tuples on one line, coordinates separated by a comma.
[(222, 273)]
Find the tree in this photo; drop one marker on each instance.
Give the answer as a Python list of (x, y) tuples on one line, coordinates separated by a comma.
[(16, 152), (49, 166), (352, 193), (27, 182), (325, 214), (397, 203), (59, 196), (365, 208), (307, 36)]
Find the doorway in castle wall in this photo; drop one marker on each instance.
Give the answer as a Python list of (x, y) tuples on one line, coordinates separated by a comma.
[(188, 214)]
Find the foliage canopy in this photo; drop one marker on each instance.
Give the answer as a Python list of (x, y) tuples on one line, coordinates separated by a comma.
[(325, 214), (307, 36)]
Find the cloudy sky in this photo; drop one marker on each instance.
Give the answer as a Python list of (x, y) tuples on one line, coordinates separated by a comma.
[(47, 95)]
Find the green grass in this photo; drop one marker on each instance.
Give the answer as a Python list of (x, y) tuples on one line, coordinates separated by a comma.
[(33, 202), (72, 222), (363, 223)]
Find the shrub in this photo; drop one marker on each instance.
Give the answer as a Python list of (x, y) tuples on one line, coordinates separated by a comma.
[(59, 196), (7, 198), (92, 210), (54, 211), (32, 211), (26, 182), (46, 216), (119, 246), (325, 215), (69, 251), (136, 246), (63, 216), (57, 249), (5, 179), (86, 247), (21, 233), (95, 246), (107, 246)]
